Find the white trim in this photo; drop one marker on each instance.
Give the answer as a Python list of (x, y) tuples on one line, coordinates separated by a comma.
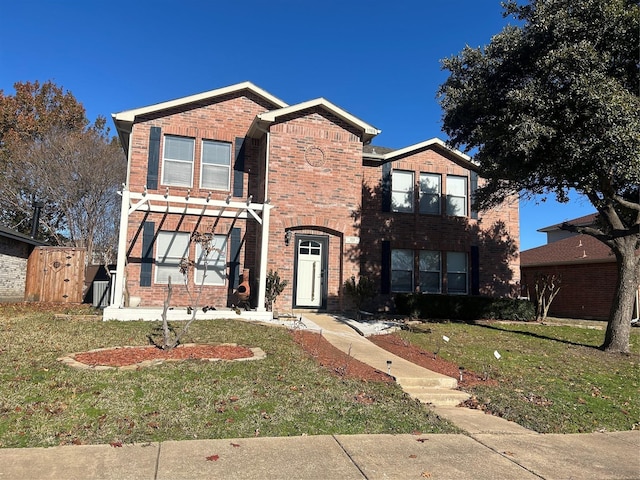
[(368, 131), (202, 164), (130, 115), (163, 181), (427, 143), (124, 120)]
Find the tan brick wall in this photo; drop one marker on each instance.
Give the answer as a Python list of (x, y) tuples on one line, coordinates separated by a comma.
[(13, 257)]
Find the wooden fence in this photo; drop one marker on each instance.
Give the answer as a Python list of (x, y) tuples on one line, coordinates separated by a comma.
[(55, 274)]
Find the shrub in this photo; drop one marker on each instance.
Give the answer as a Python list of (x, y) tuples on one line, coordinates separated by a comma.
[(457, 307), (360, 292)]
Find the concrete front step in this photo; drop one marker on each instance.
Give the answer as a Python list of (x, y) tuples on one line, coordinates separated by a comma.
[(431, 380), (440, 397)]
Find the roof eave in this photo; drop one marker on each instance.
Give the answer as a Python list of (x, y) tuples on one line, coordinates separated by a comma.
[(367, 131), (432, 143), (124, 120), (577, 261)]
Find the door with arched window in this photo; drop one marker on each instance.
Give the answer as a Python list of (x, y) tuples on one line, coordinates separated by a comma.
[(311, 271)]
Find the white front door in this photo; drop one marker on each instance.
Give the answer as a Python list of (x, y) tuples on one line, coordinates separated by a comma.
[(309, 275)]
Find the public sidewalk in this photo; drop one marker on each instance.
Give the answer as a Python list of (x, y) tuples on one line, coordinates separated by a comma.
[(491, 447)]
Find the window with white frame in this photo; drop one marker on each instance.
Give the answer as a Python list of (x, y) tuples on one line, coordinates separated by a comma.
[(177, 161), (401, 270), (430, 184), (456, 272), (456, 196), (430, 272), (215, 265), (216, 165), (402, 191), (171, 248)]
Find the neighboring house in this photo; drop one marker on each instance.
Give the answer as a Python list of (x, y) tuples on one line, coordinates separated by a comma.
[(298, 189), (15, 249), (586, 267)]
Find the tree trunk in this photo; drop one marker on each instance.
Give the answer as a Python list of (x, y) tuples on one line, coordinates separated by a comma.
[(619, 327)]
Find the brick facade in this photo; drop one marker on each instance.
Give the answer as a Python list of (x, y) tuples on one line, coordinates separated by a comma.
[(587, 290), (308, 164)]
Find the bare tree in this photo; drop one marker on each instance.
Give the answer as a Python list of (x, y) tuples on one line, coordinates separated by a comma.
[(76, 175), (547, 287)]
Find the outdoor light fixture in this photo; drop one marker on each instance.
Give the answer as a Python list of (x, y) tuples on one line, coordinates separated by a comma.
[(388, 367), (461, 370), (287, 237)]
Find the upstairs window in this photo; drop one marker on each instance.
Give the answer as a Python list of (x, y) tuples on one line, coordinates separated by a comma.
[(402, 191), (430, 272), (177, 161), (456, 196), (216, 165), (430, 193), (171, 248), (401, 270), (456, 272), (216, 266)]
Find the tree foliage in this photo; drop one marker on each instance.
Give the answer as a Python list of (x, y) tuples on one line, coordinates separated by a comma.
[(551, 105), (51, 154)]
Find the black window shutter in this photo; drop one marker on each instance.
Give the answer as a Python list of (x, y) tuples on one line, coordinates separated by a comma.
[(238, 168), (386, 187), (385, 267), (235, 243), (475, 270), (474, 188), (148, 233), (154, 158)]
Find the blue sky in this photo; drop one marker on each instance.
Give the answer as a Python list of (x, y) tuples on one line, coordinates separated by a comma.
[(379, 60)]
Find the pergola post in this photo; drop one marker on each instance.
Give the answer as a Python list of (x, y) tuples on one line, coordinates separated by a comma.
[(118, 297), (264, 249)]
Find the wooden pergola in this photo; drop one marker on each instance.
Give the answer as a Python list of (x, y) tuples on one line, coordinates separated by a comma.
[(192, 206)]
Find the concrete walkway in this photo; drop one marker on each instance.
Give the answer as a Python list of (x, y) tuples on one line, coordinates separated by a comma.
[(492, 448)]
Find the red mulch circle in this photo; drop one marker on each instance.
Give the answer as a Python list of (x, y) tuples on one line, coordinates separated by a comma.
[(123, 356)]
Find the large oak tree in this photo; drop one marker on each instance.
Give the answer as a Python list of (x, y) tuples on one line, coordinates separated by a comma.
[(552, 104)]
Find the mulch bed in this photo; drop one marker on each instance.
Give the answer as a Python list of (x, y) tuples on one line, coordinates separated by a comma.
[(396, 345), (338, 362), (124, 356)]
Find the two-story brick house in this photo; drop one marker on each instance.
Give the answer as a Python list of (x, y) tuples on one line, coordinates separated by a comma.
[(297, 189)]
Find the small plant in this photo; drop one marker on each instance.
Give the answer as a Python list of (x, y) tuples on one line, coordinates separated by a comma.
[(274, 287), (360, 291)]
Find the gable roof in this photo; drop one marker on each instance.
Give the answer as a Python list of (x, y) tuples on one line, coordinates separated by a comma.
[(15, 235), (263, 120), (124, 120), (579, 249), (384, 155)]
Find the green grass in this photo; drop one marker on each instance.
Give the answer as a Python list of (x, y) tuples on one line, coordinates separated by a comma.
[(44, 403), (551, 378)]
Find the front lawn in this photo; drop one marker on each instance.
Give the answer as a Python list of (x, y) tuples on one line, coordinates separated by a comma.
[(551, 378), (44, 403)]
